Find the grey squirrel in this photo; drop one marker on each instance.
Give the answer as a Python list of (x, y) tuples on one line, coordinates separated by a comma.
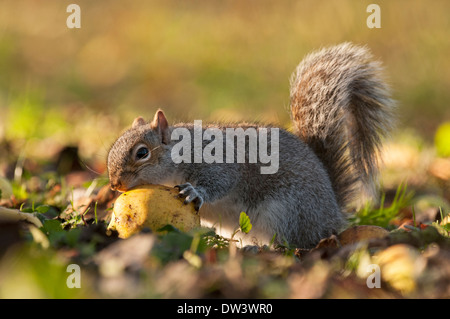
[(341, 109)]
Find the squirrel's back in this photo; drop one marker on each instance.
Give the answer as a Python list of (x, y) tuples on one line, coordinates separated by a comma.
[(341, 108)]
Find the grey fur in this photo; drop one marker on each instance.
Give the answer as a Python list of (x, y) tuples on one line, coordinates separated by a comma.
[(303, 202), (342, 109)]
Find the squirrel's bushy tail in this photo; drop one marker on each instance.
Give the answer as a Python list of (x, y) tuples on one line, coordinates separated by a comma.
[(342, 109)]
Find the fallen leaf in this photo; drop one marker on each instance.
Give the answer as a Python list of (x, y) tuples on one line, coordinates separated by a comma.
[(15, 215), (400, 265), (359, 233), (440, 168)]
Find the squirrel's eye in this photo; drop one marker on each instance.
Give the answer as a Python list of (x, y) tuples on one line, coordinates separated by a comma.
[(142, 153)]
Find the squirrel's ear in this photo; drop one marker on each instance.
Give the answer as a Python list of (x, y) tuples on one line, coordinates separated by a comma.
[(138, 121), (161, 125)]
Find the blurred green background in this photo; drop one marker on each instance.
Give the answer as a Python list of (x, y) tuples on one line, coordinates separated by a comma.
[(209, 60)]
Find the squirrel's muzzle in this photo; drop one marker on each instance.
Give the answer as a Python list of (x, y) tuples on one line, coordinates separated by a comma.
[(116, 185)]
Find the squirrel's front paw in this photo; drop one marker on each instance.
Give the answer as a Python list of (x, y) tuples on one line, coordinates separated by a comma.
[(190, 194)]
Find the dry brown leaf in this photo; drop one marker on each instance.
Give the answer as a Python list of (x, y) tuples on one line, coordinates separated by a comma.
[(359, 233), (440, 168)]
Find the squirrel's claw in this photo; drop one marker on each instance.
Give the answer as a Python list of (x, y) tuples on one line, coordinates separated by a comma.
[(190, 194)]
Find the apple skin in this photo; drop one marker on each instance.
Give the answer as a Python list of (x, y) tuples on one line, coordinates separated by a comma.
[(152, 206)]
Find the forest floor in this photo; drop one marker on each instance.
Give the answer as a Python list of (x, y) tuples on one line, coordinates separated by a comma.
[(397, 249)]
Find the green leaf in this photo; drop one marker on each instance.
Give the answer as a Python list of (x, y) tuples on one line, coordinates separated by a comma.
[(172, 246), (42, 209), (244, 223), (72, 237), (168, 228), (52, 226)]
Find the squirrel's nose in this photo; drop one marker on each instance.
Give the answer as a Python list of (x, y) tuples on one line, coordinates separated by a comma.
[(116, 185)]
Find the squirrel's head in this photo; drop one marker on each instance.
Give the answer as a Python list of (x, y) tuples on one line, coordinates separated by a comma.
[(137, 157)]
